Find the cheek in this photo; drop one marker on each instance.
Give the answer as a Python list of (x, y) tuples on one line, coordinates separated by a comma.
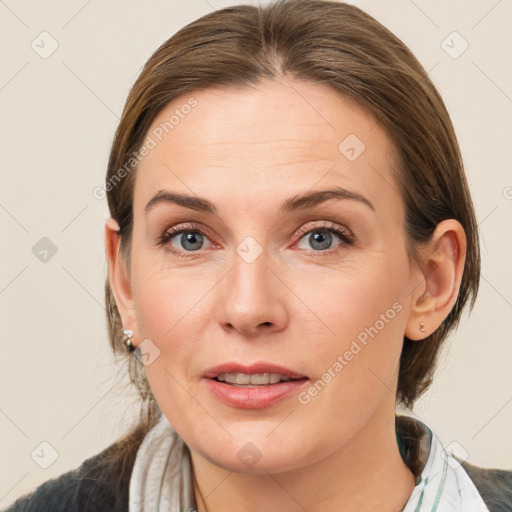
[(345, 303), (173, 310), (359, 322), (167, 299)]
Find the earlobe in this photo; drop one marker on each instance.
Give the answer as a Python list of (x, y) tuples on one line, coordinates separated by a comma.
[(441, 276), (112, 224), (118, 276)]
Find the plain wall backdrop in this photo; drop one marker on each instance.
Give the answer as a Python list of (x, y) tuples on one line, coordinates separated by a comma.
[(66, 71)]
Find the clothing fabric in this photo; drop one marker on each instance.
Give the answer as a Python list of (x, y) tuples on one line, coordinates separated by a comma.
[(444, 485), (162, 479)]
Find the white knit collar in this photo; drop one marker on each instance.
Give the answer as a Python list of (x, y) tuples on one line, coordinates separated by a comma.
[(161, 475), (161, 479)]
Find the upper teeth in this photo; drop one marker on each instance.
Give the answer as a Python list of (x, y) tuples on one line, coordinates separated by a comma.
[(256, 379)]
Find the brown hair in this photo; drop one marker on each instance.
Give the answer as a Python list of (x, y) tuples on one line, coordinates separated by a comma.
[(324, 42)]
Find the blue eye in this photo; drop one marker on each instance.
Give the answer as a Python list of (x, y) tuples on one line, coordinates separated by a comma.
[(190, 241), (186, 240), (321, 238)]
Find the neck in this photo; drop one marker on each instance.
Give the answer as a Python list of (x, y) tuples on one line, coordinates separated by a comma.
[(366, 474)]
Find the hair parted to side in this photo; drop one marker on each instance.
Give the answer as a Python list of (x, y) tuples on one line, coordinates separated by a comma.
[(324, 42)]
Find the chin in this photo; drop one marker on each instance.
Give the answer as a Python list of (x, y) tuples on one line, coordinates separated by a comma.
[(254, 454)]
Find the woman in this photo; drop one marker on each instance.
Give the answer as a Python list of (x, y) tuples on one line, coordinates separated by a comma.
[(291, 240)]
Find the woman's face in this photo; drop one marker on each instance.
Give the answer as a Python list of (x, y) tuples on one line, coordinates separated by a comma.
[(320, 288)]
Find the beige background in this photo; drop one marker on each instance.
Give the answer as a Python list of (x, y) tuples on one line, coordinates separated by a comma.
[(59, 383)]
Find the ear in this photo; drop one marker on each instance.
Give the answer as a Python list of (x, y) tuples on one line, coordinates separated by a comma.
[(119, 276), (440, 277)]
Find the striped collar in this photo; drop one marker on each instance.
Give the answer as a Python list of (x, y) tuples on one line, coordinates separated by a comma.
[(442, 484)]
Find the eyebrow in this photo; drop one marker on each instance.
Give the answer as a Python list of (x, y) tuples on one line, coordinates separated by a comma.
[(297, 202)]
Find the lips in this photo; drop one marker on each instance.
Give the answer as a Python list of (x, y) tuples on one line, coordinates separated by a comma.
[(253, 369), (256, 379), (255, 386)]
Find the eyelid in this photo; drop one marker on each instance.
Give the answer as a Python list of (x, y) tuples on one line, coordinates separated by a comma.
[(339, 230), (188, 226)]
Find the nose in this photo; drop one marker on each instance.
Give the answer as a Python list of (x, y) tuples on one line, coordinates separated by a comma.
[(252, 299)]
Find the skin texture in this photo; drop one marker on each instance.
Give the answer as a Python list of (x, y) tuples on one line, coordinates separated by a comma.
[(247, 151)]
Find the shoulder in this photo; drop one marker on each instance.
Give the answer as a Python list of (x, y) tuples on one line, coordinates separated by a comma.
[(70, 491), (100, 483), (494, 485), (79, 490)]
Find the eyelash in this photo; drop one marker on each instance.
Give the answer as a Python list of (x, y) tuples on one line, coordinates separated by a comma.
[(343, 233)]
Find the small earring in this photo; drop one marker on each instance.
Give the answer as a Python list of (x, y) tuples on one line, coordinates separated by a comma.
[(422, 327), (128, 340)]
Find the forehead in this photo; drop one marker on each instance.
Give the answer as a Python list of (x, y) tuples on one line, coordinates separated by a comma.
[(276, 138)]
